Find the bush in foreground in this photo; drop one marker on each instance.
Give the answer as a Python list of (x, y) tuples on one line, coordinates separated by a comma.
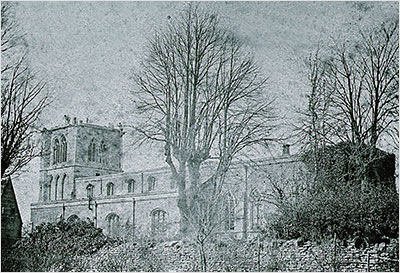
[(54, 246), (370, 214)]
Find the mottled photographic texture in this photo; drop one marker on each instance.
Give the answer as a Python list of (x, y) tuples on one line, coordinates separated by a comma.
[(199, 136)]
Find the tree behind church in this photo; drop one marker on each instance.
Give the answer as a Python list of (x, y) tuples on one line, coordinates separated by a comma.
[(201, 95), (352, 107)]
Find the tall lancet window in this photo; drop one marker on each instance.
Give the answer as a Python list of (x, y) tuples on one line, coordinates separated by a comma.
[(110, 189), (56, 151), (63, 149), (229, 212), (89, 191), (102, 152), (92, 151)]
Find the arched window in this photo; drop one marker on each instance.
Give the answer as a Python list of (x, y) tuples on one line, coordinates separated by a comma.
[(89, 190), (63, 154), (92, 151), (255, 213), (131, 186), (61, 194), (56, 187), (46, 190), (56, 151), (110, 189), (229, 212), (102, 152), (48, 187), (73, 218), (158, 221), (113, 225), (151, 183), (41, 192)]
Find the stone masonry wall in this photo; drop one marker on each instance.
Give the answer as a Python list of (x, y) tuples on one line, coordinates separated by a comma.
[(236, 255), (314, 257)]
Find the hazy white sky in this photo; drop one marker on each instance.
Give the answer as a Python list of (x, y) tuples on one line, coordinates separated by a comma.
[(88, 52)]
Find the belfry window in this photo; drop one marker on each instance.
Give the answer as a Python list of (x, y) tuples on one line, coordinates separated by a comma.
[(110, 189), (63, 153), (56, 151), (92, 151), (102, 152)]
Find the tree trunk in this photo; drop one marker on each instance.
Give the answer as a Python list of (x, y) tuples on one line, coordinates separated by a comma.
[(203, 258), (194, 176), (182, 199)]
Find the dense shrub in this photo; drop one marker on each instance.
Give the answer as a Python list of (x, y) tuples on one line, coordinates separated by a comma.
[(370, 214), (54, 246), (351, 194)]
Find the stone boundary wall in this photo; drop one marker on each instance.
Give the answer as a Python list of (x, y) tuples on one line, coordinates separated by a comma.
[(313, 257), (238, 256)]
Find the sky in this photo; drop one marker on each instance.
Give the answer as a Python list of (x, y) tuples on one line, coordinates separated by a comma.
[(88, 52)]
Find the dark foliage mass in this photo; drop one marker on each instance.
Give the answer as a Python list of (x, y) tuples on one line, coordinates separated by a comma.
[(352, 195), (347, 163), (347, 212), (54, 245)]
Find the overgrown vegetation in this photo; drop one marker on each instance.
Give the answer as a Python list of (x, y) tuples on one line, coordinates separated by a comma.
[(347, 212), (348, 189), (54, 246)]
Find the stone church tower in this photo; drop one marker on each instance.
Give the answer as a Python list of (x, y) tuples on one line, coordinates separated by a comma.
[(76, 150), (81, 178)]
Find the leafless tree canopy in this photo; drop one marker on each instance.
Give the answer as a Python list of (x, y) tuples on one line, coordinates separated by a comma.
[(22, 98), (354, 90), (200, 94), (352, 103)]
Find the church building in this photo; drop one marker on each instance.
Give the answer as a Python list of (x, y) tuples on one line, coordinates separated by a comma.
[(81, 177)]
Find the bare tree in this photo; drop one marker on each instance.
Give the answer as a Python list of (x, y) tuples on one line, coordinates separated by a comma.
[(352, 103), (201, 95), (360, 82), (379, 62), (22, 98), (316, 126), (353, 98)]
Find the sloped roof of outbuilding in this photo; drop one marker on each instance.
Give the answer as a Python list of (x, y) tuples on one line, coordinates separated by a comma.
[(4, 183)]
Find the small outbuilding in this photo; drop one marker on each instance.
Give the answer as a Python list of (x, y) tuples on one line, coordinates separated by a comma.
[(11, 221)]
